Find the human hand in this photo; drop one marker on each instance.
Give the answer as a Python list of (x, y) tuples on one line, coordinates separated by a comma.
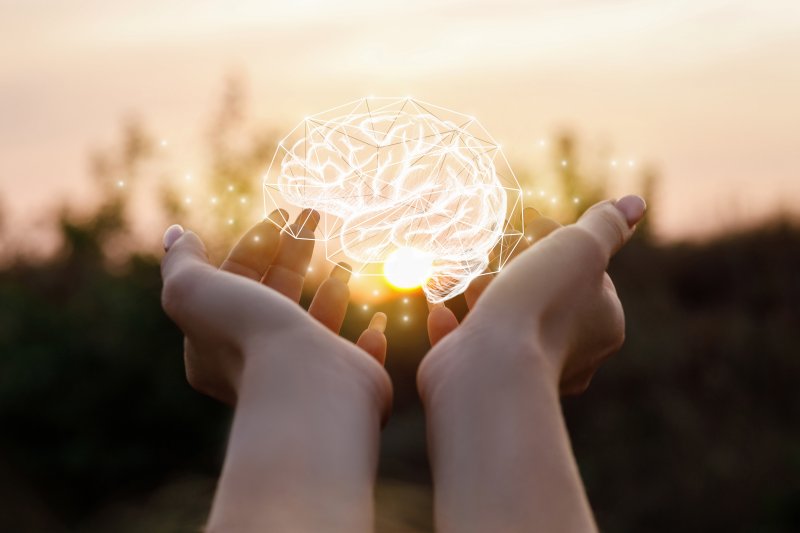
[(250, 305), (554, 301)]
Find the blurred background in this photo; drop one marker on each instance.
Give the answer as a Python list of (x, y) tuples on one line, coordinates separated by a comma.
[(119, 117)]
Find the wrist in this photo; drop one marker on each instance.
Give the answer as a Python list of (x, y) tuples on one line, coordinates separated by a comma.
[(313, 364), (471, 360), (304, 442)]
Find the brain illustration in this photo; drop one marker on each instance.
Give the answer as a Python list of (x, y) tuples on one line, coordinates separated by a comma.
[(396, 173)]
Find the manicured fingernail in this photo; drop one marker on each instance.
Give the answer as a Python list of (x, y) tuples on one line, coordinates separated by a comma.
[(378, 322), (342, 272), (279, 217), (308, 218), (172, 234), (633, 207)]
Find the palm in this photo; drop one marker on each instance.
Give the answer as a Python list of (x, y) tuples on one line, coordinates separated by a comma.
[(279, 262)]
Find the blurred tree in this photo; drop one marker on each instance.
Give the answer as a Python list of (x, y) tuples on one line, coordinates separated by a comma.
[(693, 426), (589, 187)]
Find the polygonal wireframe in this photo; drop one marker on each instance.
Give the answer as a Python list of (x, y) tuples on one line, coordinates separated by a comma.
[(387, 173)]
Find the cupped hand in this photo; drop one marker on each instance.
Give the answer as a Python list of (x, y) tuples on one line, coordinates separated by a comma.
[(554, 301), (250, 305)]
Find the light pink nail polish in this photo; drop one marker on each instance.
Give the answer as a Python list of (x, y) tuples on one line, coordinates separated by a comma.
[(633, 207), (173, 233)]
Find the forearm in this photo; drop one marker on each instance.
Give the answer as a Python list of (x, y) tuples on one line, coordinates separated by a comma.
[(303, 448), (499, 448)]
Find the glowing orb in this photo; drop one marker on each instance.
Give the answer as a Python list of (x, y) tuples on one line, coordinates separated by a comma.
[(392, 176), (408, 268)]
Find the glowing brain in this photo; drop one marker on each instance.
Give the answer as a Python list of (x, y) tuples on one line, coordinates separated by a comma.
[(393, 175)]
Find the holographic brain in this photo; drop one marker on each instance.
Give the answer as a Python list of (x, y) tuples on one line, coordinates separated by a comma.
[(396, 173)]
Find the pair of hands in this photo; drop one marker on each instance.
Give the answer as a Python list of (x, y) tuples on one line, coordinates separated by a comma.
[(553, 302)]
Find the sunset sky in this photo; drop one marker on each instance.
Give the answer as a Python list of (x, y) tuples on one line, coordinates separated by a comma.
[(708, 91)]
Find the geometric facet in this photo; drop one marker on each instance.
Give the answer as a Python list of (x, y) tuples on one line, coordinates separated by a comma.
[(394, 173)]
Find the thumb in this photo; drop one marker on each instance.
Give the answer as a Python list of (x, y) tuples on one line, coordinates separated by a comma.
[(182, 248), (185, 258), (612, 223)]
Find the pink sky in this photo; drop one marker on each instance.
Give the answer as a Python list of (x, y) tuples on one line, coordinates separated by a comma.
[(707, 90)]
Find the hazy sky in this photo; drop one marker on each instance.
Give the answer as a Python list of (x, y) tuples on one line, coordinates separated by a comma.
[(707, 90)]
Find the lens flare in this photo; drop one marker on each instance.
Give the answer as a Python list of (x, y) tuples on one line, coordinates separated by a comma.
[(408, 268)]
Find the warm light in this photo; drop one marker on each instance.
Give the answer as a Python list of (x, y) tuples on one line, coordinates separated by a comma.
[(406, 268)]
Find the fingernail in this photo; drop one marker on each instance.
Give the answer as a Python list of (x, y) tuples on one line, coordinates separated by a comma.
[(342, 272), (279, 217), (308, 218), (633, 207), (172, 234), (378, 322)]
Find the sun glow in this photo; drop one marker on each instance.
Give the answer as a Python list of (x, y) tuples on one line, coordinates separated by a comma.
[(407, 268)]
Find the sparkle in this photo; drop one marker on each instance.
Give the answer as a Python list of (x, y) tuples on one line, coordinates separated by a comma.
[(310, 269), (163, 142), (563, 162), (541, 193), (376, 292), (405, 300), (631, 163), (365, 307), (214, 200), (405, 318), (553, 200), (542, 142), (614, 163), (188, 199), (230, 222), (576, 200), (120, 183), (230, 188), (530, 239), (243, 200), (188, 177), (257, 238)]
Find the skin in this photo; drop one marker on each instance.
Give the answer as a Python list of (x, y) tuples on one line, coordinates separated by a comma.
[(499, 448), (303, 445)]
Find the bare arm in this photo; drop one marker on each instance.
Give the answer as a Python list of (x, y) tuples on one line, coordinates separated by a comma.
[(500, 451), (303, 446)]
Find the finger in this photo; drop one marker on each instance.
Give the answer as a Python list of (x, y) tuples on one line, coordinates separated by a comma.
[(540, 227), (288, 270), (612, 223), (183, 249), (441, 321), (254, 252), (516, 244), (373, 340), (476, 288), (184, 263), (329, 305)]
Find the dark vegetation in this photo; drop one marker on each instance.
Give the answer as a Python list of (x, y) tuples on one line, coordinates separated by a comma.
[(692, 427)]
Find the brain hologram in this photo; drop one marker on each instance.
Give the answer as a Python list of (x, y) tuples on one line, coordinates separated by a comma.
[(390, 173)]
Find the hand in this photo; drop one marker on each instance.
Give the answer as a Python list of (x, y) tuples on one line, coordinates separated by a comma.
[(555, 300), (252, 301), (499, 448), (303, 446)]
